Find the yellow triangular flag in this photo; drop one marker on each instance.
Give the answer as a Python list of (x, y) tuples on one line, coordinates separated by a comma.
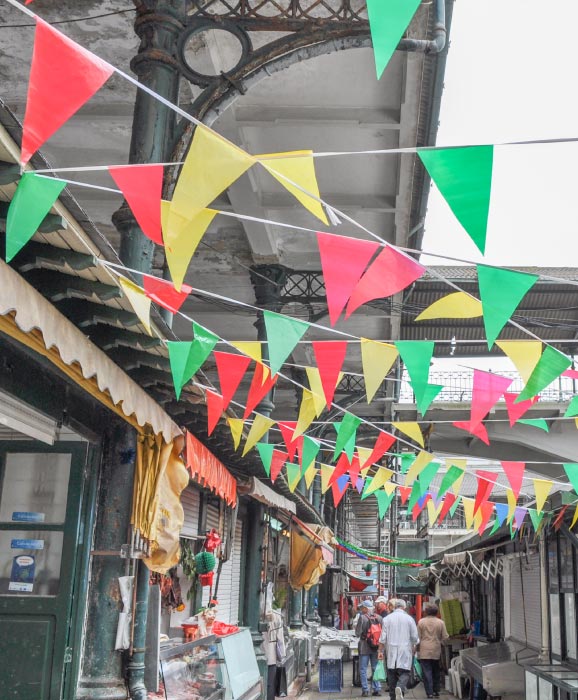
[(139, 301), (310, 474), (236, 426), (411, 429), (460, 464), (299, 167), (478, 518), (376, 359), (576, 422), (433, 512), (261, 425), (542, 488), (523, 353), (307, 413), (389, 487), (314, 379), (251, 348), (421, 461), (512, 503), (455, 305), (293, 481), (326, 472), (182, 236), (575, 518), (468, 505), (364, 453), (211, 166), (382, 476)]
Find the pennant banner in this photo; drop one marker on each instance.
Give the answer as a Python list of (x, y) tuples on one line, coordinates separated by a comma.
[(517, 410), (524, 354), (316, 386), (515, 473), (307, 413), (542, 488), (387, 23), (377, 359), (261, 385), (346, 432), (450, 477), (261, 425), (326, 474), (411, 429), (455, 305), (236, 427), (382, 444), (265, 451), (231, 370), (251, 348), (142, 187), (550, 366), (139, 301), (32, 201), (329, 356), (63, 76), (343, 261), (163, 293), (283, 334), (464, 178), (214, 402)]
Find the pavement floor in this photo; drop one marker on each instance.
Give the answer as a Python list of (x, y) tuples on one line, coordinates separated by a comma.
[(310, 690)]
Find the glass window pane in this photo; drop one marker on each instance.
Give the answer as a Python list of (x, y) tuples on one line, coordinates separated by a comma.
[(555, 623), (545, 690), (531, 686), (566, 564), (570, 614), (30, 562), (35, 487), (553, 564)]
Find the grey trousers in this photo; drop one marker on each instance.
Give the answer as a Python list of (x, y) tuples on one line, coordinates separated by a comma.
[(397, 678)]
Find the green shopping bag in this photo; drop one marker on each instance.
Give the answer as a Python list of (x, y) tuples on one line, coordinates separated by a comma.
[(379, 673)]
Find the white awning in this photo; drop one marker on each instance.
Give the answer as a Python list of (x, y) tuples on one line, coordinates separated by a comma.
[(262, 493), (32, 312)]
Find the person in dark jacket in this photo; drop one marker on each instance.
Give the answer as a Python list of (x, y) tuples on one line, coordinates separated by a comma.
[(367, 653)]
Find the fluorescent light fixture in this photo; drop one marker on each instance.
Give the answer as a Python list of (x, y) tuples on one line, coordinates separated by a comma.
[(18, 416)]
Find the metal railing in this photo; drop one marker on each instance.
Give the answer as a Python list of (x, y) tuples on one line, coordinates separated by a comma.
[(458, 387)]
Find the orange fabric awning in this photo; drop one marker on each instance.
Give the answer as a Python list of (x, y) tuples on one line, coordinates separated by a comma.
[(209, 472)]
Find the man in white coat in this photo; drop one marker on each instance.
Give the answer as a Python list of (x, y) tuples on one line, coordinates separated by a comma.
[(398, 638)]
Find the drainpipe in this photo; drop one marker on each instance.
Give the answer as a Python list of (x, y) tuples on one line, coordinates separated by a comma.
[(438, 43), (544, 603), (136, 664)]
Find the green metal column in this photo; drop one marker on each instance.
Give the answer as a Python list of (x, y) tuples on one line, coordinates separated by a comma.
[(102, 675), (296, 621), (158, 25)]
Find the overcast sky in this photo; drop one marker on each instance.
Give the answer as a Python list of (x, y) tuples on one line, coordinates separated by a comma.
[(511, 76)]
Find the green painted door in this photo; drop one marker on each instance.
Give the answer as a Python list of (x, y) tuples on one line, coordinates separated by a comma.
[(40, 508)]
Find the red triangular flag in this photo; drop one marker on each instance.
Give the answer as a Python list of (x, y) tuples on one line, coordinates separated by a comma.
[(343, 261), (515, 473), (382, 444), (63, 76), (337, 492), (342, 467), (214, 409), (329, 356), (419, 506), (517, 410), (487, 389), (572, 373), (478, 430), (259, 389), (449, 500), (278, 460), (390, 273), (354, 469), (558, 522), (231, 369), (487, 509), (404, 492), (287, 429), (142, 187), (164, 293), (486, 481)]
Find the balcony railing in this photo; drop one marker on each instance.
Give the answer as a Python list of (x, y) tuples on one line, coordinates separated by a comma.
[(458, 387)]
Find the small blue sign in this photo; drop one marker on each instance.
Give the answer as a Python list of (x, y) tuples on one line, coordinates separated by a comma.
[(27, 544), (26, 517)]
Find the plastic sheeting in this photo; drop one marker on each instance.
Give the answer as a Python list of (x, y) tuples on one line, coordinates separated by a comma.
[(307, 562), (262, 493)]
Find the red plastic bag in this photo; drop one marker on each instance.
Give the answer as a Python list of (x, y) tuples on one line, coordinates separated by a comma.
[(222, 629)]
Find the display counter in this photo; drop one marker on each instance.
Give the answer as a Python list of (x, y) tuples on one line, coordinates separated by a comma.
[(211, 668)]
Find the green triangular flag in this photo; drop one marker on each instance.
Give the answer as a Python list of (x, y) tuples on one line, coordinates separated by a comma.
[(366, 488), (500, 292), (464, 178), (203, 344), (426, 476), (32, 201), (387, 23), (497, 526), (346, 431), (178, 356), (416, 356), (283, 334), (428, 395), (454, 506), (383, 501), (572, 474), (535, 517), (265, 450), (414, 496), (407, 459), (450, 477), (309, 452), (293, 475), (572, 409), (550, 366), (536, 423)]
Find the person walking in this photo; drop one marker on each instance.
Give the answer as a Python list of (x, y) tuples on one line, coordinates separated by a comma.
[(368, 629), (397, 643), (381, 606), (432, 632)]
